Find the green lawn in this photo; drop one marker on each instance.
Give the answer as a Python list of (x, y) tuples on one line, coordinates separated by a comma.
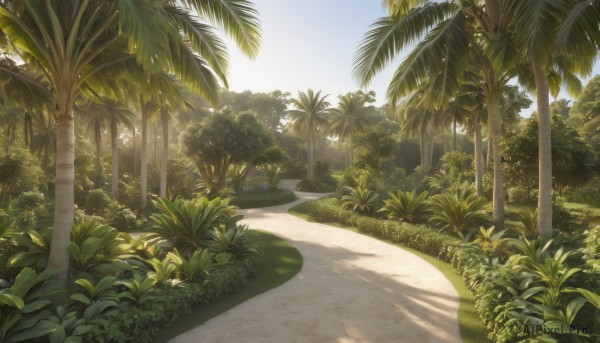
[(579, 207), (281, 262), (471, 327), (337, 175)]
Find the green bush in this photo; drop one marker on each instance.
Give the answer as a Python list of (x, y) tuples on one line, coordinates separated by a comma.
[(97, 201), (589, 193), (189, 224), (147, 309), (361, 199), (406, 206), (255, 200), (307, 185)]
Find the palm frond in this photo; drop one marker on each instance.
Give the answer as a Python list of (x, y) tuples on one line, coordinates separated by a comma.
[(238, 18), (389, 35), (579, 35), (443, 54)]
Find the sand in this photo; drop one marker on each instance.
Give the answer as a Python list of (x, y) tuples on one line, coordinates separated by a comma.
[(352, 288)]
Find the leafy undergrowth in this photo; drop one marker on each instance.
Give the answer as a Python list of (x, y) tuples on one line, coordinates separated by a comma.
[(281, 262), (471, 327)]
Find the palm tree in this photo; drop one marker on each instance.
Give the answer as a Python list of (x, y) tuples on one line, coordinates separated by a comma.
[(111, 114), (350, 118), (310, 117), (545, 31), (80, 44), (452, 31)]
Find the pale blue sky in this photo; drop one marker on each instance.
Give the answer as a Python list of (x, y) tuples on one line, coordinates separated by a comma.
[(308, 44), (311, 44)]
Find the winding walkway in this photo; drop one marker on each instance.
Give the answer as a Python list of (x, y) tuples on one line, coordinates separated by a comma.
[(352, 288)]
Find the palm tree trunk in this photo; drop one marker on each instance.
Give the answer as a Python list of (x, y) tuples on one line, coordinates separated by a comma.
[(155, 157), (351, 150), (310, 152), (454, 134), (98, 141), (545, 152), (478, 157), (164, 116), (114, 183), (64, 193), (495, 134), (143, 159), (488, 157)]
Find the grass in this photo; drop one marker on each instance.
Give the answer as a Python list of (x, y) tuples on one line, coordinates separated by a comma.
[(280, 263), (255, 200), (337, 175), (579, 207), (471, 327)]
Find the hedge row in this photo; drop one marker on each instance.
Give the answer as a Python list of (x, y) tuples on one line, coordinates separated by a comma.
[(466, 259), (142, 322)]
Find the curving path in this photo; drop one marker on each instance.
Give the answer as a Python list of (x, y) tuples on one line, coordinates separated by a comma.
[(352, 288)]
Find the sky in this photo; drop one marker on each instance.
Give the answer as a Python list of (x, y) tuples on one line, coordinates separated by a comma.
[(308, 44), (311, 44)]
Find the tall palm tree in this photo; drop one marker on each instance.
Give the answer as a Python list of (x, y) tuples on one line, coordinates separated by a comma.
[(112, 114), (349, 118), (310, 117), (446, 33), (78, 44), (545, 31)]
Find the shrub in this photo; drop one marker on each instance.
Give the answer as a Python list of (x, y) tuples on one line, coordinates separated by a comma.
[(458, 211), (527, 223), (189, 224), (362, 199), (255, 200), (24, 307), (307, 185), (97, 201), (406, 206)]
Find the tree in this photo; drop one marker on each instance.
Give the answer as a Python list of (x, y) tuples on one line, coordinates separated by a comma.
[(560, 108), (540, 28), (573, 159), (78, 44), (221, 141), (585, 114), (350, 117), (310, 118), (449, 34), (111, 114)]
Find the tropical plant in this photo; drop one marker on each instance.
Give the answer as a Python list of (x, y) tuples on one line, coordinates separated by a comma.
[(103, 290), (362, 199), (195, 268), (452, 37), (23, 305), (310, 118), (459, 211), (82, 45), (548, 33), (189, 224), (406, 206), (139, 288), (527, 225), (489, 241), (233, 239), (163, 271), (36, 247), (350, 117)]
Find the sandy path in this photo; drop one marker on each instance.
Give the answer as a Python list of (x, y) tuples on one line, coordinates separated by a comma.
[(352, 288)]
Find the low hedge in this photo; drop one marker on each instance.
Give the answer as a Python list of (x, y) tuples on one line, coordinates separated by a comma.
[(255, 200), (143, 322), (467, 260)]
